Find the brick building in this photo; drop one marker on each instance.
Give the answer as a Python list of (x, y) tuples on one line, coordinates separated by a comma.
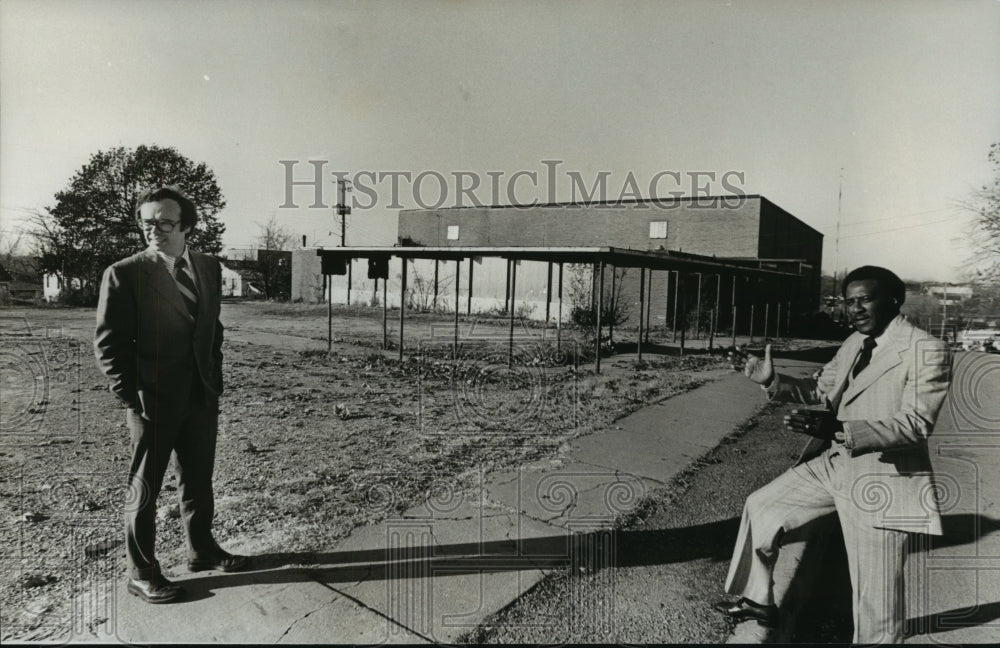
[(749, 228), (739, 227)]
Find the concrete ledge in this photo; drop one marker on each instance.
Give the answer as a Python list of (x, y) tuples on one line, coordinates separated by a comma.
[(801, 563)]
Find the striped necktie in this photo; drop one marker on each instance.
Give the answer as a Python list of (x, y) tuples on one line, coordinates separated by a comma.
[(865, 357), (186, 287)]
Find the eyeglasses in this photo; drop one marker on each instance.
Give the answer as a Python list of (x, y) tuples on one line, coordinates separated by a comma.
[(165, 226)]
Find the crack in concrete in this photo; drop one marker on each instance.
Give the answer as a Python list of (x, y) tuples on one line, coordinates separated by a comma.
[(511, 510), (301, 618), (618, 473), (365, 606)]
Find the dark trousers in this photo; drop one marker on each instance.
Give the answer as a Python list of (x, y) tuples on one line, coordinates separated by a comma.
[(191, 435)]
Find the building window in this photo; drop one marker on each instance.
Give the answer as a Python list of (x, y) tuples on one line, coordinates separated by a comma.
[(658, 230), (453, 232)]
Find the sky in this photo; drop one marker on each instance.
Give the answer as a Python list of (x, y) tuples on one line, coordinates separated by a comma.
[(876, 116)]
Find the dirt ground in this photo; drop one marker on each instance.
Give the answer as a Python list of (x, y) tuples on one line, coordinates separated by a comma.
[(672, 555), (311, 444)]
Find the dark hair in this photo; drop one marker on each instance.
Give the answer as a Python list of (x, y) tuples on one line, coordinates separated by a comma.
[(887, 280), (189, 215)]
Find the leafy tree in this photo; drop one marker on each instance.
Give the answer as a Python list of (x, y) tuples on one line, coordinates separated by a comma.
[(92, 223)]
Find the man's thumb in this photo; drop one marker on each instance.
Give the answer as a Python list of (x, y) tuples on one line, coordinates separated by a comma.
[(767, 354)]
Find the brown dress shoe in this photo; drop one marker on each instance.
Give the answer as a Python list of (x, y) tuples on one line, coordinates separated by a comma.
[(155, 590), (220, 561)]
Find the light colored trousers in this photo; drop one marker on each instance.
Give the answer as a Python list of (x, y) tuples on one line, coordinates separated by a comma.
[(876, 557)]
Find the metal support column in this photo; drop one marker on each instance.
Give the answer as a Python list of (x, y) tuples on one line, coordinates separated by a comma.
[(600, 307), (715, 313), (666, 304), (350, 266), (402, 308), (677, 289), (548, 294), (506, 297), (458, 299), (649, 302), (328, 289), (682, 290), (559, 316), (468, 308), (642, 307), (434, 305), (612, 306), (733, 303), (697, 312), (513, 290), (711, 331)]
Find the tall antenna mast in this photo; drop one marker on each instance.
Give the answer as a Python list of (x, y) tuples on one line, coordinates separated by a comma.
[(836, 265), (840, 196)]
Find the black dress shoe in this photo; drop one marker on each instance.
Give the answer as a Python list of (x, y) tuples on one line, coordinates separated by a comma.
[(155, 590), (220, 561), (744, 609)]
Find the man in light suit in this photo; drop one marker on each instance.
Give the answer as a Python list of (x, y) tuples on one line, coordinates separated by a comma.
[(159, 341), (867, 460)]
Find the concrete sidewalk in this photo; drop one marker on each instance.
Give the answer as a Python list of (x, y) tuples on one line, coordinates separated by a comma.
[(441, 568), (437, 571)]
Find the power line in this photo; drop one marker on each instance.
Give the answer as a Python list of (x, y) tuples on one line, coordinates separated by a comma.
[(895, 229), (885, 218)]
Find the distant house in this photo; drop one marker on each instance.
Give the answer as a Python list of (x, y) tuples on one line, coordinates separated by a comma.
[(235, 283), (950, 294), (241, 278), (25, 285), (5, 281), (232, 282), (53, 286)]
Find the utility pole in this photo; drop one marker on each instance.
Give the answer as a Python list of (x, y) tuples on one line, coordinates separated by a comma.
[(343, 209)]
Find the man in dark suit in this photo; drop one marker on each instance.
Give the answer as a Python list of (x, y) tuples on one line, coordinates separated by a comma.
[(159, 341), (867, 459)]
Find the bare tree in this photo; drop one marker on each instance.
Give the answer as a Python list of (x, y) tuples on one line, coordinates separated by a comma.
[(583, 300), (985, 235), (273, 236), (274, 263), (420, 291), (10, 243)]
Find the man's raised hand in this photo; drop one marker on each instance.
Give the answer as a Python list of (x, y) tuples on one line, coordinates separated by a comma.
[(761, 371)]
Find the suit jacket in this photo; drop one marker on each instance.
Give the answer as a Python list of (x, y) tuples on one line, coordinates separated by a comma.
[(148, 343), (888, 413)]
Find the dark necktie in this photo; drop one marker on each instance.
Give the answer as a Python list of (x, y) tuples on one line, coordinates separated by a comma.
[(865, 356), (186, 287)]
